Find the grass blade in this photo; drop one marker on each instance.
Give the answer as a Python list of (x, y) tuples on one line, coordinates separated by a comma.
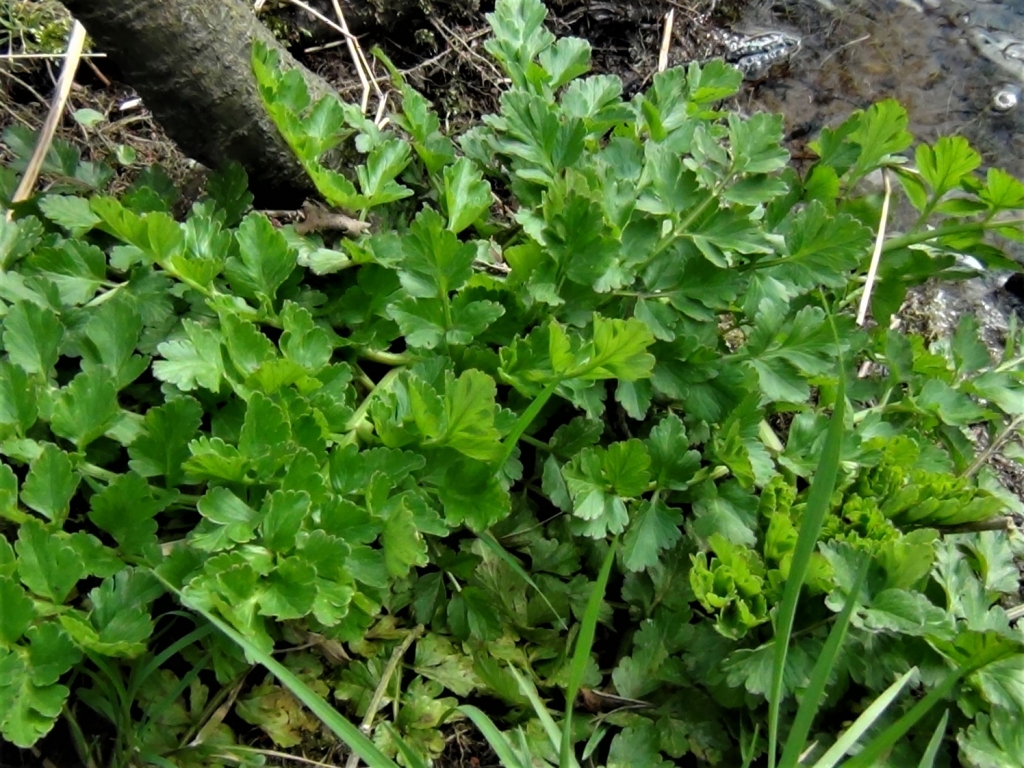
[(329, 716), (819, 675), (530, 691), (928, 758), (581, 653), (867, 718), (494, 737), (818, 499), (868, 756)]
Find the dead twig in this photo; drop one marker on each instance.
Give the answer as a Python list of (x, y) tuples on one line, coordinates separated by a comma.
[(876, 256), (378, 694), (76, 42), (319, 219), (666, 39)]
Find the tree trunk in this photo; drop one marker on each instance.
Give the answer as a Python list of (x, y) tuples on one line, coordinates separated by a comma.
[(189, 60)]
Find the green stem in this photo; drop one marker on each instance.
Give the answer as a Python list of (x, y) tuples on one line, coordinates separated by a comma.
[(382, 386), (540, 444), (913, 238), (387, 358), (525, 420)]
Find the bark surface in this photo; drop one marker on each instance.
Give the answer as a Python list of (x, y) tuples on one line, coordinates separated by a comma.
[(189, 60)]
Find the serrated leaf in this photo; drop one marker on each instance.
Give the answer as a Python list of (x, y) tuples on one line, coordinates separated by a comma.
[(403, 544), (283, 514), (881, 132), (163, 447), (72, 213), (16, 611), (50, 484), (32, 336), (113, 333), (29, 711), (47, 564), (19, 397), (125, 509), (228, 187), (192, 363), (945, 163), (264, 259), (467, 194), (654, 527), (227, 520), (86, 408)]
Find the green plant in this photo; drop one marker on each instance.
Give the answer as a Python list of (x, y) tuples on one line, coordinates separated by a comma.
[(588, 320)]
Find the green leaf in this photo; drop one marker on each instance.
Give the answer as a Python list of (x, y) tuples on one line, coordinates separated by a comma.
[(756, 143), (119, 623), (228, 187), (283, 514), (16, 612), (994, 740), (85, 408), (471, 494), (163, 447), (566, 60), (946, 163), (113, 332), (50, 484), (264, 259), (72, 213), (32, 336), (227, 520), (47, 564), (195, 362), (469, 416), (29, 710), (9, 495), (303, 341), (467, 195), (19, 397), (434, 262), (125, 509), (654, 527), (403, 544), (881, 132)]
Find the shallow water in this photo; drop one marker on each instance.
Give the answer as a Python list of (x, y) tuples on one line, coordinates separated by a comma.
[(927, 58)]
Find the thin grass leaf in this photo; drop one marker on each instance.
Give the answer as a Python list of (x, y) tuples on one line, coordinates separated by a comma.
[(867, 757), (819, 675), (494, 737), (581, 653), (546, 720), (155, 713), (512, 563), (162, 762), (329, 716), (928, 758), (867, 718), (141, 673), (594, 741), (818, 500)]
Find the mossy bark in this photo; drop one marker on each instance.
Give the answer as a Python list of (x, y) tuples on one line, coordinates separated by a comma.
[(189, 60)]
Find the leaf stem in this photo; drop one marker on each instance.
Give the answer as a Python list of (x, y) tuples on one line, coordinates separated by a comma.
[(994, 446), (381, 386), (387, 358)]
